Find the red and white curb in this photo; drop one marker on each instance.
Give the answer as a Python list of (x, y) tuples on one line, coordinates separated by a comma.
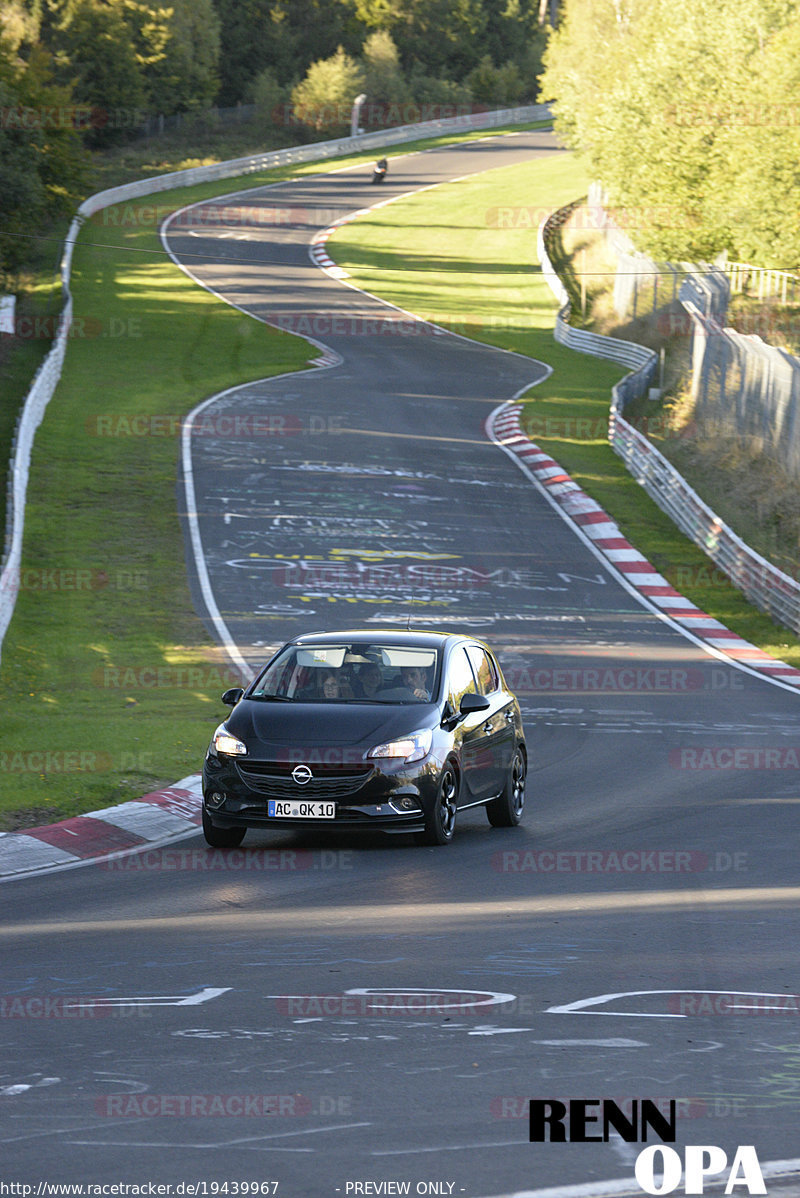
[(319, 254), (637, 574), (155, 819)]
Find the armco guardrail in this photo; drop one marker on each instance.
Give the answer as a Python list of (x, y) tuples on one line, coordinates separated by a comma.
[(642, 361), (49, 372), (763, 584)]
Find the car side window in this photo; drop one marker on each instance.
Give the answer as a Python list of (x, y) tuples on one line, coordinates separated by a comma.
[(461, 680), (484, 670)]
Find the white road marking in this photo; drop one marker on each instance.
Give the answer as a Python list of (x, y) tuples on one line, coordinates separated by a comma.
[(626, 1185), (493, 1031), (22, 1087), (581, 1007), (447, 1148), (252, 1140), (614, 1042), (385, 995), (169, 1000)]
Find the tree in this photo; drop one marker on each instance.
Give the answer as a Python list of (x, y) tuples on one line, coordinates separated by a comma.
[(186, 77), (384, 82), (99, 54), (762, 138), (42, 162), (441, 37), (654, 92), (324, 98), (495, 85), (284, 35), (268, 97), (17, 25)]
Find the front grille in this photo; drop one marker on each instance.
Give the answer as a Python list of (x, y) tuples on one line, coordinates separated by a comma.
[(276, 781)]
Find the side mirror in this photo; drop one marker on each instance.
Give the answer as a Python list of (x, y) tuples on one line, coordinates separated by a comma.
[(232, 697), (472, 702)]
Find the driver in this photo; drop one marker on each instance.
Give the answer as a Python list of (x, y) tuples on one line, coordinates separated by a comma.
[(414, 678)]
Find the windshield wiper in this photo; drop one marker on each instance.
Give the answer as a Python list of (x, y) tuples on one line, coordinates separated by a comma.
[(271, 698)]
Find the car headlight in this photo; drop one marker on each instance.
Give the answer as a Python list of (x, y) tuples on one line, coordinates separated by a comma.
[(409, 748), (223, 742)]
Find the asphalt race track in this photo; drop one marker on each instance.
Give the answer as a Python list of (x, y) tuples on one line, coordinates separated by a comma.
[(320, 1014)]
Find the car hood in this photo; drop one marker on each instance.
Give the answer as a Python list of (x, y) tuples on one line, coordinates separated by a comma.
[(279, 728)]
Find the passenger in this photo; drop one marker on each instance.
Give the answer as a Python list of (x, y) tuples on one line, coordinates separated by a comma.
[(370, 679), (330, 688)]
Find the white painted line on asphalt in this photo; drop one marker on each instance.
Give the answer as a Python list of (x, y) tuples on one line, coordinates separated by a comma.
[(612, 1042), (446, 1148), (493, 1031), (584, 1006), (252, 1140), (169, 1000), (775, 1170)]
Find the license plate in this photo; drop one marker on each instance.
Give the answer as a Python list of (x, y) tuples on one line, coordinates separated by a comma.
[(301, 809)]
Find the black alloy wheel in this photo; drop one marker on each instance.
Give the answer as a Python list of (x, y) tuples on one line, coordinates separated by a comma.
[(440, 825), (506, 810)]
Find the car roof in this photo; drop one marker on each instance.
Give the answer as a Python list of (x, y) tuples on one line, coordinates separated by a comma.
[(377, 636)]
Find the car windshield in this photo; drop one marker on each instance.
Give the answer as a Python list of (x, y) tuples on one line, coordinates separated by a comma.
[(374, 673)]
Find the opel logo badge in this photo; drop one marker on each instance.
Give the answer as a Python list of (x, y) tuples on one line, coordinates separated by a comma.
[(302, 775)]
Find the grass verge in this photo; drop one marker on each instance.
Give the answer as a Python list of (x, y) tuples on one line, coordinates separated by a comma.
[(109, 681), (472, 270)]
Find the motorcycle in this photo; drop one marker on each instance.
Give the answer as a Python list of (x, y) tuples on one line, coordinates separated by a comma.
[(379, 171)]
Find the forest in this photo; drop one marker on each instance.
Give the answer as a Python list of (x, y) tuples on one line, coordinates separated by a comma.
[(78, 76), (687, 110)]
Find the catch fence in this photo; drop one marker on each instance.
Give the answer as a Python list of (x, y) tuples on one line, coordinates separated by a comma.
[(763, 584)]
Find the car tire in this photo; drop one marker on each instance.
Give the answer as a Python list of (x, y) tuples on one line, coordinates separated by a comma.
[(506, 810), (221, 838), (440, 824)]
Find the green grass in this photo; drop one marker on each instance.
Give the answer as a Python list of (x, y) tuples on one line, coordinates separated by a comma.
[(105, 656), (110, 684), (469, 274), (38, 286), (106, 666)]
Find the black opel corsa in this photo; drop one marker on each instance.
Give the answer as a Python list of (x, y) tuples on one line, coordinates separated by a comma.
[(396, 731)]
